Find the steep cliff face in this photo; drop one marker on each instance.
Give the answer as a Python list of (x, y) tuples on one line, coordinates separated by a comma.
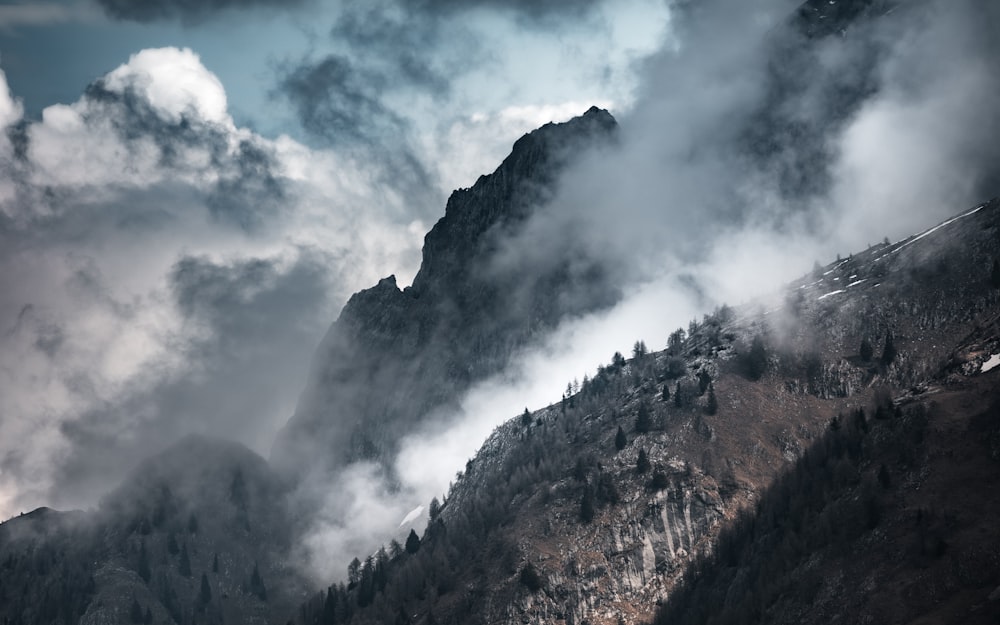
[(395, 355)]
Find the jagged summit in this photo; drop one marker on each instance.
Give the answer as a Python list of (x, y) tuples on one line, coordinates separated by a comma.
[(393, 356), (509, 194)]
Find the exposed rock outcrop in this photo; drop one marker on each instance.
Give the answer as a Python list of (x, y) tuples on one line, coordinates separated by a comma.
[(396, 355)]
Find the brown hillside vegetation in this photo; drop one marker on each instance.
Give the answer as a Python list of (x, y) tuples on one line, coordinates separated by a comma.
[(556, 521)]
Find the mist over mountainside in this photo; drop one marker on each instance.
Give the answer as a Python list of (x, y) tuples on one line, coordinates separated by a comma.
[(667, 478), (395, 356), (596, 508)]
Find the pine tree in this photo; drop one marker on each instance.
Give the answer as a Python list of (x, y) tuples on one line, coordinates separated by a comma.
[(678, 398), (526, 418), (713, 405), (666, 392), (889, 352), (866, 351), (587, 505), (412, 542), (205, 593), (215, 563), (704, 379), (257, 584), (757, 359), (580, 469), (395, 549), (642, 462), (530, 578), (620, 440), (354, 572), (644, 419)]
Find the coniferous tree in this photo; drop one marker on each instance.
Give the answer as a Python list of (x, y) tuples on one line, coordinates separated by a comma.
[(643, 419), (618, 361), (642, 462), (704, 379), (757, 359), (666, 393), (215, 563), (395, 549), (620, 440), (866, 351), (678, 398), (412, 542), (587, 505), (607, 491), (354, 572), (257, 584), (530, 578), (330, 607), (713, 405), (659, 480), (526, 418), (889, 352), (995, 274), (205, 593)]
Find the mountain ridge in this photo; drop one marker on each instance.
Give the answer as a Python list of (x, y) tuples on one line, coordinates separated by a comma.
[(395, 355), (516, 528)]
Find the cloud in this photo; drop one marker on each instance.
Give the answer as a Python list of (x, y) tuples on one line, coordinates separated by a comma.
[(689, 212), (165, 271), (193, 10), (186, 10), (41, 14), (395, 77)]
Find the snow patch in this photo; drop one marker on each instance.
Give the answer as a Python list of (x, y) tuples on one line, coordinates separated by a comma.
[(829, 294), (856, 282), (411, 516), (938, 227), (992, 363)]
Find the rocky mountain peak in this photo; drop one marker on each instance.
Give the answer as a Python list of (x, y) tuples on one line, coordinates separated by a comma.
[(393, 355)]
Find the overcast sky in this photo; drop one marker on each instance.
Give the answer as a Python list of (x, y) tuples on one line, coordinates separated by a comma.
[(189, 191)]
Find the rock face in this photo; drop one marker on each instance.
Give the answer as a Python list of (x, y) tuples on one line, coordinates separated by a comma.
[(396, 355)]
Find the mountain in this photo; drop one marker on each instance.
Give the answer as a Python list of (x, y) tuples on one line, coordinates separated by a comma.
[(825, 453), (795, 454), (196, 533), (395, 356)]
